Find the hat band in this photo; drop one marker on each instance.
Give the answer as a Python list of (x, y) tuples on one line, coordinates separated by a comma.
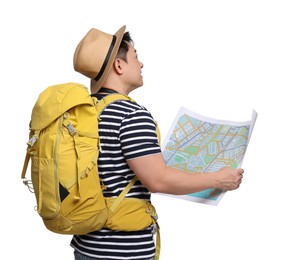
[(106, 59)]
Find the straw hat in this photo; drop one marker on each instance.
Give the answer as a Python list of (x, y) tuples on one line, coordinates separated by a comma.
[(95, 55)]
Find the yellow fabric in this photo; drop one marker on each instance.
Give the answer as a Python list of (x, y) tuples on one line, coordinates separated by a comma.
[(130, 214), (63, 149)]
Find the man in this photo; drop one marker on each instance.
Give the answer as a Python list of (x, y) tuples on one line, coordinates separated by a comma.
[(130, 146)]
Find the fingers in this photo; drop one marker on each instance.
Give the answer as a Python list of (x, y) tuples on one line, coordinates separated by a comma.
[(230, 178), (240, 171), (237, 171), (239, 176)]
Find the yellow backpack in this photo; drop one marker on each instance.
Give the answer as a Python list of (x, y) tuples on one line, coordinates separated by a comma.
[(63, 147)]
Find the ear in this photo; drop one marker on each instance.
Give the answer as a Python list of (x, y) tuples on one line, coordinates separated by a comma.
[(118, 66)]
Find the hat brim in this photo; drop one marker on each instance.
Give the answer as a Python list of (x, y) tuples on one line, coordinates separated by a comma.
[(96, 85)]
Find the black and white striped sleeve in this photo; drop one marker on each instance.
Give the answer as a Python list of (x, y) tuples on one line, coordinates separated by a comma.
[(138, 135)]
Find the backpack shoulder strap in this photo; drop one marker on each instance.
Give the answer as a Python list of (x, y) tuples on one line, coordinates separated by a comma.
[(100, 105), (105, 101), (123, 194)]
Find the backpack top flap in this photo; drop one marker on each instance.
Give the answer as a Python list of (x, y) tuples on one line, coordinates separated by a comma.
[(57, 99)]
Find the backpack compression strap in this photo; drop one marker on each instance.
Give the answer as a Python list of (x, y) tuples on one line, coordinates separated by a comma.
[(28, 154)]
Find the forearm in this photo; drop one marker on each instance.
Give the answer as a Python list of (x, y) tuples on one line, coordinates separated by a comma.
[(175, 182), (158, 178)]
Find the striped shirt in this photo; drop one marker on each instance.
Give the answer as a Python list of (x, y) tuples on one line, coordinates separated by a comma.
[(127, 131)]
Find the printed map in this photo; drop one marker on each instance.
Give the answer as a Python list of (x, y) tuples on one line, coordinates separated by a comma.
[(200, 144)]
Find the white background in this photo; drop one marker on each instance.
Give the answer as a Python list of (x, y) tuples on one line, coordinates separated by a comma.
[(218, 58)]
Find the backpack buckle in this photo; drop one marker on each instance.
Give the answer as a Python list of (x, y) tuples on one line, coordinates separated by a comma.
[(70, 128), (152, 213), (32, 140), (72, 131)]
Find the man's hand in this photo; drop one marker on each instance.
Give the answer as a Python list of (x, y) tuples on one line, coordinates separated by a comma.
[(228, 178)]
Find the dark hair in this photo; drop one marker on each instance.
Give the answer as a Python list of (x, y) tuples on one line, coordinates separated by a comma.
[(124, 46)]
